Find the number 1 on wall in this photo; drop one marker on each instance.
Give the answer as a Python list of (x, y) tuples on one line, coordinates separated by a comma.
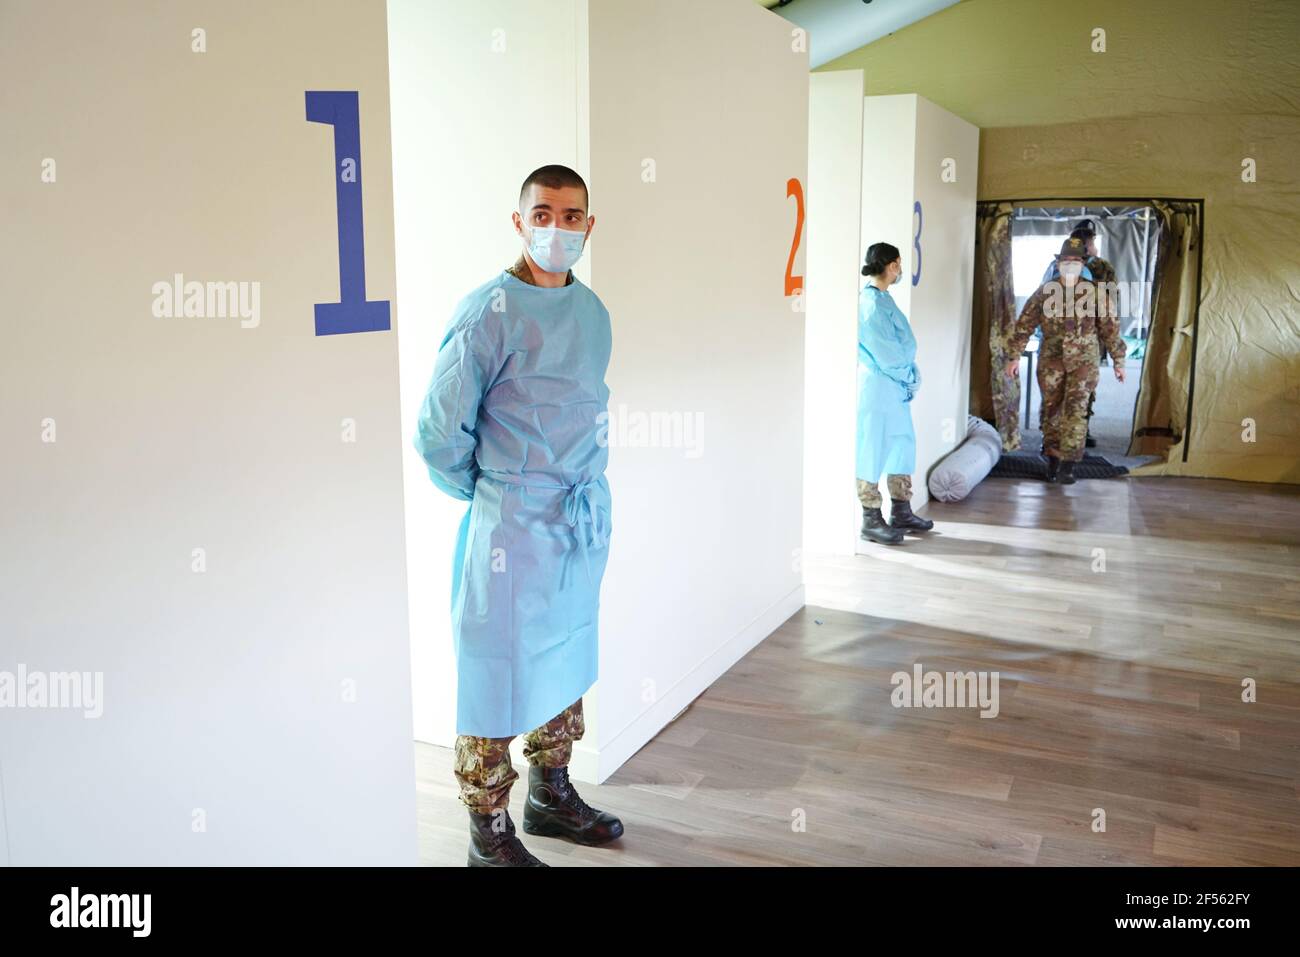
[(352, 313)]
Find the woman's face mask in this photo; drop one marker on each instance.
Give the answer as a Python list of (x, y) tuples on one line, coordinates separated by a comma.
[(1071, 270), (896, 269)]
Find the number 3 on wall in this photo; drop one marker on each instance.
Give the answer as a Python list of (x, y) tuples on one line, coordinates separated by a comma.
[(916, 243), (352, 313), (793, 283)]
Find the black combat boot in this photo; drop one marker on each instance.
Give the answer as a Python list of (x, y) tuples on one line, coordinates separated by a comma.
[(554, 809), (489, 847), (874, 528), (1067, 473), (1053, 468), (903, 519)]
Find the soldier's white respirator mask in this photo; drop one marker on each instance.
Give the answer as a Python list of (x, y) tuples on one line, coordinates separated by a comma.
[(1070, 272), (555, 249)]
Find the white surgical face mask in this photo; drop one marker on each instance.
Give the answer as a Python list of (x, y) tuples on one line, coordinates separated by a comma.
[(1071, 271), (555, 249), (898, 277)]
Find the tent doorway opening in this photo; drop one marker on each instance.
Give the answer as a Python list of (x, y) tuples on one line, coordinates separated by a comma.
[(1154, 246), (1127, 237)]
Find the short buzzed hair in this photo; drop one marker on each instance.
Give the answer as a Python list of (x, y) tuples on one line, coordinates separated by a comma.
[(554, 177)]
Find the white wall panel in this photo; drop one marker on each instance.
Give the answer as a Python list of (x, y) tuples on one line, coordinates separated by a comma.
[(947, 155), (255, 694), (692, 264), (831, 514)]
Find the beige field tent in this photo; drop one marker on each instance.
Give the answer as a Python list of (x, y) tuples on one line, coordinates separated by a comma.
[(1189, 103)]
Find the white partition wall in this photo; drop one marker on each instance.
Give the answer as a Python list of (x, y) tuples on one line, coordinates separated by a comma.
[(835, 144), (688, 121), (202, 505), (944, 187), (699, 119), (916, 168)]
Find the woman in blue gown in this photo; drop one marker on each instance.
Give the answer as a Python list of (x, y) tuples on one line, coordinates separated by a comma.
[(888, 378)]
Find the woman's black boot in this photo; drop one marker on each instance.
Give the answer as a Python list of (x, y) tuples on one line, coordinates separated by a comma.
[(874, 528), (902, 518)]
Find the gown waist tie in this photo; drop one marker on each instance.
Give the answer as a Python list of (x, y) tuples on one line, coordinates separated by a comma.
[(579, 510)]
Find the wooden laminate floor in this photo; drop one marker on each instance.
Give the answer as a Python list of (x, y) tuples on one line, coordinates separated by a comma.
[(1119, 690)]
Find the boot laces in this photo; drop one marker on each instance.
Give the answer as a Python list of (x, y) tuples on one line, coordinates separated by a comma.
[(514, 851), (506, 844), (569, 794)]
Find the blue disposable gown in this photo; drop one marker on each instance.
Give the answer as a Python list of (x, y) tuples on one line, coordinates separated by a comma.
[(512, 422), (887, 380)]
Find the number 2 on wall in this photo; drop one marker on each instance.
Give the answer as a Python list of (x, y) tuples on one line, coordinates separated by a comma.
[(793, 283), (916, 243), (352, 313)]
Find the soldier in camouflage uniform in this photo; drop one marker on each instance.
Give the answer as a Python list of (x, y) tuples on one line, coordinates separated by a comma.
[(1103, 274), (1076, 318)]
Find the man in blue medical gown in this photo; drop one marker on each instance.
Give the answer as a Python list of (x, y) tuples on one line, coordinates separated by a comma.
[(512, 424)]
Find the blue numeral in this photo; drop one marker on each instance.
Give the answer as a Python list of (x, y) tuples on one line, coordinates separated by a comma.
[(352, 313), (916, 243)]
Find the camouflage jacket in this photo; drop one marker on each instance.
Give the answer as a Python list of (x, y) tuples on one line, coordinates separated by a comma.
[(1074, 321), (1101, 270)]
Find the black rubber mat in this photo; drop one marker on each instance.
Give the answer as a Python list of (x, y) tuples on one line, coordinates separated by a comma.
[(1031, 465)]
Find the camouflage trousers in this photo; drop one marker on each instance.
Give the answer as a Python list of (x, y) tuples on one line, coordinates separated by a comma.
[(1064, 410), (482, 765), (900, 490)]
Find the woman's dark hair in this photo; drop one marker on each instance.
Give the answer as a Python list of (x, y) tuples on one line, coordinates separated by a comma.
[(879, 256)]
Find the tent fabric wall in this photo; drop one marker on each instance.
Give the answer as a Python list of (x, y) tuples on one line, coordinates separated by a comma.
[(1188, 98), (1167, 371), (994, 395)]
